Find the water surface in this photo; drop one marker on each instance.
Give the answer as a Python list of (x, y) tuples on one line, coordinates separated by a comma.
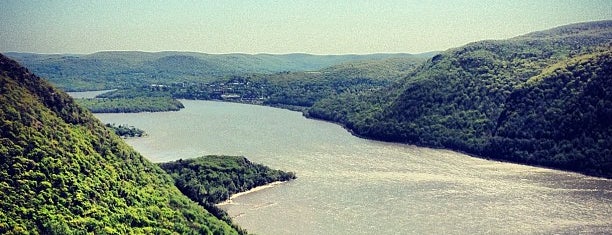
[(348, 185), (88, 94)]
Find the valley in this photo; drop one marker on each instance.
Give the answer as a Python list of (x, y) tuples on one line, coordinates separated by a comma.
[(351, 185), (509, 136)]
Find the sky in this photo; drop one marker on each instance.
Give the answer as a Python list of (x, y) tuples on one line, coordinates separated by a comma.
[(278, 26)]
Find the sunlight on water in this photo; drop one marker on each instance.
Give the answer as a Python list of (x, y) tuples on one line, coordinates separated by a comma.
[(348, 185)]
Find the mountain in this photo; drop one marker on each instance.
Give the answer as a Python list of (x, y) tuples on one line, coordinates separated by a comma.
[(562, 117), (63, 172), (121, 69), (456, 99)]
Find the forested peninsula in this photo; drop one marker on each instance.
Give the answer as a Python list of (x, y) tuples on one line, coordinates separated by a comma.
[(209, 180)]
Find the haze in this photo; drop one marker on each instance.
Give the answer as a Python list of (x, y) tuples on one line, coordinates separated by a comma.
[(312, 26)]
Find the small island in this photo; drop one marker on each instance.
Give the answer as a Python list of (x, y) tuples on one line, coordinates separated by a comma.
[(125, 130)]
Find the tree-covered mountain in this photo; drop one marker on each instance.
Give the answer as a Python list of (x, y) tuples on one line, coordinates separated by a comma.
[(63, 172), (562, 117), (461, 98), (307, 88), (122, 69)]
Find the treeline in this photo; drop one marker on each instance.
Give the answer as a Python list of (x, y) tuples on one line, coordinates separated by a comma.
[(212, 179), (131, 105), (461, 100), (295, 90), (125, 69)]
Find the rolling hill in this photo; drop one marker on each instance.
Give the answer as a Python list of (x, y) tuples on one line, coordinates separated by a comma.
[(461, 100), (122, 69)]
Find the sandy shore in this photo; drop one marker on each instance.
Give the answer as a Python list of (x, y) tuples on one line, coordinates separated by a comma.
[(258, 188)]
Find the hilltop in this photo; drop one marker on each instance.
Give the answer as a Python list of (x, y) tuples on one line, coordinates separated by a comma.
[(124, 69)]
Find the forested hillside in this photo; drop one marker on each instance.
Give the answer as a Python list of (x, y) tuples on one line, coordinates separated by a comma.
[(456, 99), (562, 117), (128, 69), (63, 172), (295, 90)]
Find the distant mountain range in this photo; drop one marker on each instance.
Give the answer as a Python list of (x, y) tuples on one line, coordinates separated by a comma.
[(120, 69)]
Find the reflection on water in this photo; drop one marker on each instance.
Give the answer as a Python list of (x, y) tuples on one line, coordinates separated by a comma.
[(348, 185)]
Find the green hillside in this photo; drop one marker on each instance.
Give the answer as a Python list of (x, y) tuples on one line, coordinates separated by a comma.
[(296, 90), (562, 117), (63, 172), (456, 98), (306, 89), (127, 69)]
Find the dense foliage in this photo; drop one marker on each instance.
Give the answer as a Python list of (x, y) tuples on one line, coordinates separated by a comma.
[(142, 88), (211, 179), (214, 179), (63, 172), (562, 117), (130, 105), (294, 90), (457, 97), (125, 130)]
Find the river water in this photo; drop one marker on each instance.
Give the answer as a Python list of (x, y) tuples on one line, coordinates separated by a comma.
[(348, 185), (88, 94)]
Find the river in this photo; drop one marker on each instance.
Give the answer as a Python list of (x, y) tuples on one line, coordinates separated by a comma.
[(348, 185), (88, 94)]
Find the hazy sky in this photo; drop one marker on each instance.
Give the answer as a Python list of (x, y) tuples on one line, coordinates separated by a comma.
[(283, 26)]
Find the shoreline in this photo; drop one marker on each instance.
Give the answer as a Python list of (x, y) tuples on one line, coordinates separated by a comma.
[(229, 201)]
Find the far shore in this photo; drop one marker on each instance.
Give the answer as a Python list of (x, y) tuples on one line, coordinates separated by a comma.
[(258, 188)]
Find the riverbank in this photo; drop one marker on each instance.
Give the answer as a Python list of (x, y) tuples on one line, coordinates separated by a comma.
[(347, 127), (229, 201), (345, 180)]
